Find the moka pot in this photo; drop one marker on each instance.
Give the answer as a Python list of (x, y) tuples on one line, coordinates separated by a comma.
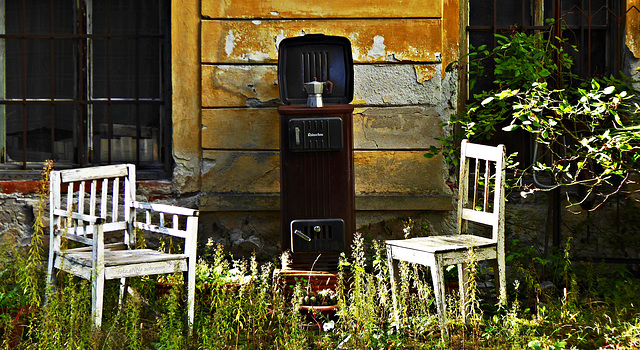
[(314, 91)]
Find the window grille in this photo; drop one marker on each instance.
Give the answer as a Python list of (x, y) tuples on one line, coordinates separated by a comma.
[(84, 83)]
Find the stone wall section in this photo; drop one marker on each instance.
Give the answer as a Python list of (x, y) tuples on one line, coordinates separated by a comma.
[(17, 213)]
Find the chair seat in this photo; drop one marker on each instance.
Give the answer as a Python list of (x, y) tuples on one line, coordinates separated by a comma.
[(122, 257), (441, 244)]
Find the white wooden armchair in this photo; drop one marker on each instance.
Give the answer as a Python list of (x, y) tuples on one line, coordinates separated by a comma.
[(109, 208), (477, 205)]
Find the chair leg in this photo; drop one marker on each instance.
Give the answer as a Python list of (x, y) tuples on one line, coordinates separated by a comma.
[(51, 273), (97, 293), (463, 282), (437, 275), (501, 273), (393, 277), (122, 296), (190, 277)]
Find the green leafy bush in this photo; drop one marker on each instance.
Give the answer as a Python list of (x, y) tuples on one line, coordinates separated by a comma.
[(584, 133)]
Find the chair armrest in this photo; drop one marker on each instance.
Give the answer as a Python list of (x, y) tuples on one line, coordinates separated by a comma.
[(79, 232), (183, 224), (165, 208)]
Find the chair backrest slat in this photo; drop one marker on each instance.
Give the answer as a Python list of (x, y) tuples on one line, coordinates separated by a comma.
[(92, 199), (161, 219), (475, 183), (70, 196), (81, 197), (103, 199), (127, 197), (487, 177), (114, 199)]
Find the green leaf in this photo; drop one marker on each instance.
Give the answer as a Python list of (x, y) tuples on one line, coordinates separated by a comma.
[(616, 117), (535, 344), (625, 147), (486, 100), (507, 93), (510, 127), (608, 90)]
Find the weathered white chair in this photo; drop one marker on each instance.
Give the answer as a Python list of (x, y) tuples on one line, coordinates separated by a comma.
[(110, 207), (477, 206)]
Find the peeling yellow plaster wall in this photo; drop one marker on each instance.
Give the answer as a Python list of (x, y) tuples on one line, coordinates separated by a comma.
[(424, 73)]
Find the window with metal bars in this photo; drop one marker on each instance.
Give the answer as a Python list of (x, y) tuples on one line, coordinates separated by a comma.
[(84, 83), (594, 27)]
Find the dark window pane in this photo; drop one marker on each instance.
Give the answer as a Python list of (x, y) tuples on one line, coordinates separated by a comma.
[(35, 17), (125, 17), (45, 137), (510, 13), (478, 39), (126, 133), (14, 132), (66, 133), (38, 69), (480, 12), (66, 63), (14, 78), (127, 68)]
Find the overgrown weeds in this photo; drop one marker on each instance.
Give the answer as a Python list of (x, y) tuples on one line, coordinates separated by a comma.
[(246, 304), (257, 311)]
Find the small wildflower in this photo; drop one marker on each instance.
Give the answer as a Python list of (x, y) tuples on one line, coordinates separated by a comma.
[(408, 225), (328, 326)]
